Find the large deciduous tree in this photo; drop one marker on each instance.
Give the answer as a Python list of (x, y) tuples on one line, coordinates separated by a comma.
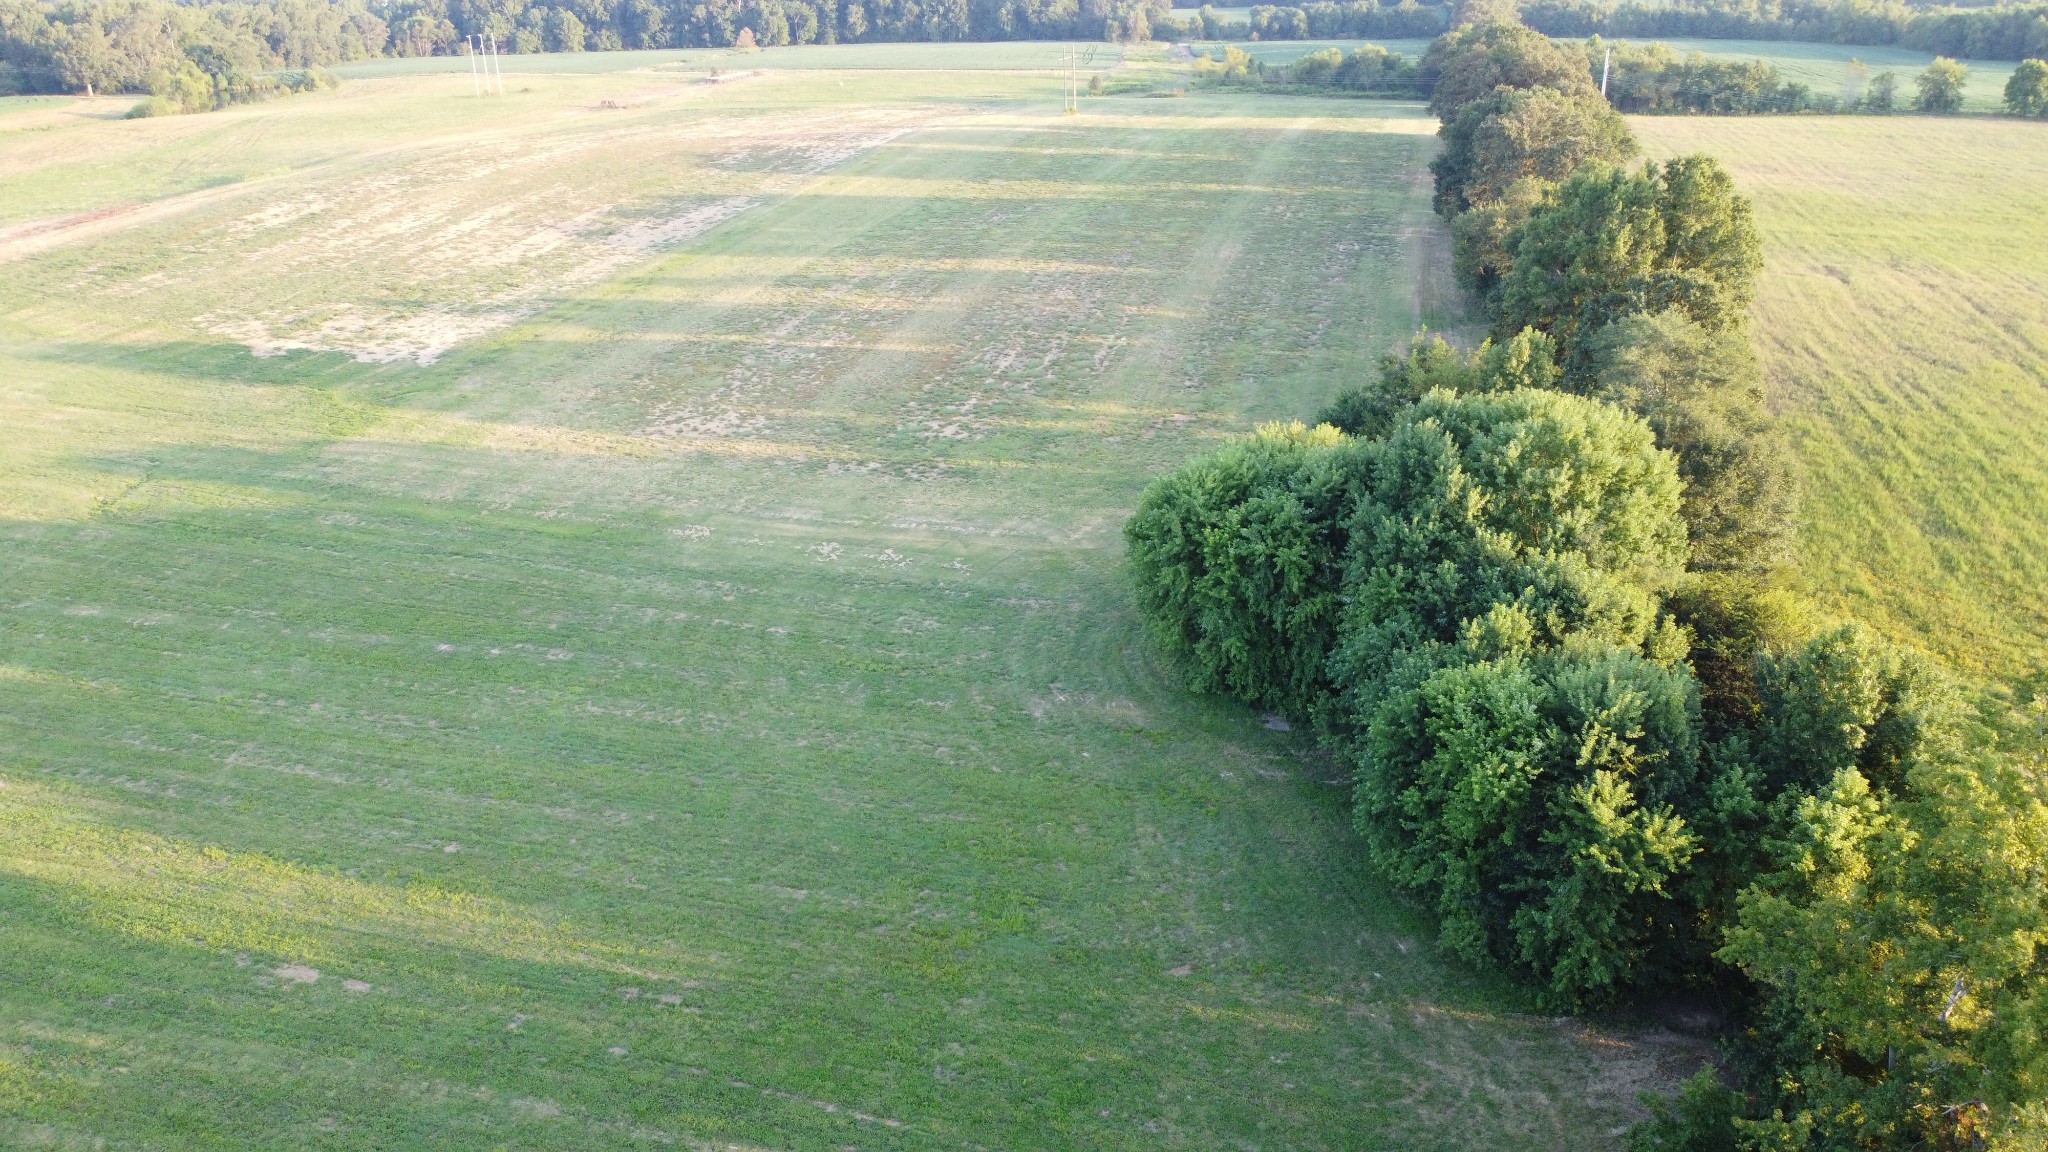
[(2026, 90), (1520, 134), (1941, 86), (1471, 62), (1611, 244)]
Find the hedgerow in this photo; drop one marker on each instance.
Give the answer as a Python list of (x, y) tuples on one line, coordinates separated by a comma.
[(1533, 597)]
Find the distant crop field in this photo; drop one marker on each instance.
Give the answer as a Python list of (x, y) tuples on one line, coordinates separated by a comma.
[(1287, 51), (1903, 318), (593, 618), (1014, 55)]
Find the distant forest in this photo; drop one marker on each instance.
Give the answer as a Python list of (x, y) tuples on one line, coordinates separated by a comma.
[(131, 45)]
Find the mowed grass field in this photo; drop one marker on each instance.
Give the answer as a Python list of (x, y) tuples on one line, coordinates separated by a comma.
[(1903, 320), (537, 624)]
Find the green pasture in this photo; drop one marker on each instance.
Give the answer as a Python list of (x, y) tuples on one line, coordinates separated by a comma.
[(642, 659), (11, 105), (1903, 320)]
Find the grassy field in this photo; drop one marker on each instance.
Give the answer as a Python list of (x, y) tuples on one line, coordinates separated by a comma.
[(1903, 318), (532, 624)]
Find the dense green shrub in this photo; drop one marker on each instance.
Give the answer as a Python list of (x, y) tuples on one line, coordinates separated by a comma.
[(1229, 65), (1559, 506), (1368, 68), (1480, 234), (1733, 619), (1539, 800), (1900, 946), (1430, 364), (1846, 702), (1238, 558)]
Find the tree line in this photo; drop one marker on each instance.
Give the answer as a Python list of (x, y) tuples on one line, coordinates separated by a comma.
[(1999, 32), (145, 45), (1536, 597), (1649, 79), (1653, 79)]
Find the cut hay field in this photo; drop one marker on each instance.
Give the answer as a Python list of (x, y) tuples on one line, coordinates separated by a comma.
[(1903, 320), (531, 624)]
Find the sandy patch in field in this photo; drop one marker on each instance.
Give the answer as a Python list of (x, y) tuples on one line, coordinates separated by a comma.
[(409, 262), (424, 336)]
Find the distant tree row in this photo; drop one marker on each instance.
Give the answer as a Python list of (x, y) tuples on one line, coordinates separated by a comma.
[(1645, 79), (1534, 596), (1367, 69), (2002, 32), (145, 45), (427, 27), (1651, 78)]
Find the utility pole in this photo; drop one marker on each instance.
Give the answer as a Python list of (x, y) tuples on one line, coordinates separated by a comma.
[(1603, 72)]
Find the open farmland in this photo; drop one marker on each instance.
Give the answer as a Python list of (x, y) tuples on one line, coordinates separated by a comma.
[(1903, 319), (593, 618)]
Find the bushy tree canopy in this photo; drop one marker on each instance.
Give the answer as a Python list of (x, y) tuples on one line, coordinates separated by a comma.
[(1521, 134), (1901, 940), (1472, 61), (1527, 361), (1941, 86), (1538, 800), (1611, 244), (1238, 558), (2026, 90)]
